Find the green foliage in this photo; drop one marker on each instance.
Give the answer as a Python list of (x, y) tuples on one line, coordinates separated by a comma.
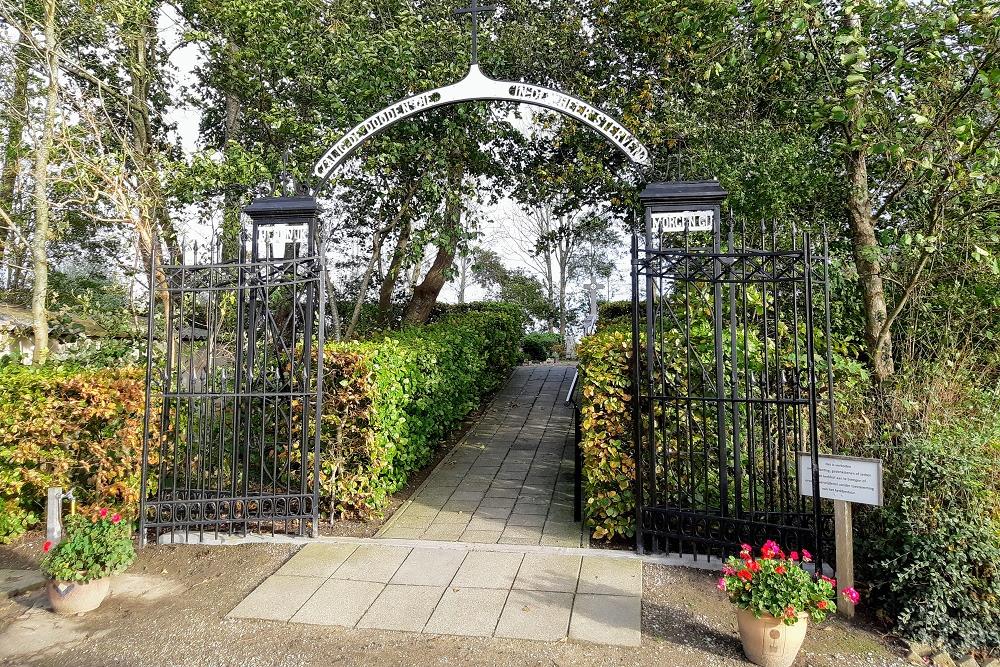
[(73, 428), (777, 584), (92, 548), (932, 552), (540, 346), (606, 430), (389, 401), (14, 520)]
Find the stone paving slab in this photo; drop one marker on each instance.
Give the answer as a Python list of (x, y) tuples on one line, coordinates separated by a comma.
[(539, 615), (15, 582), (472, 590)]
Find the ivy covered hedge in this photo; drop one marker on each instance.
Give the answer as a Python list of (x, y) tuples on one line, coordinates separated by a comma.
[(390, 400), (69, 427)]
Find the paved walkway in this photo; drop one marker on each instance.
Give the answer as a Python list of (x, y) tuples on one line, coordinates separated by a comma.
[(451, 569), (510, 480), (467, 591)]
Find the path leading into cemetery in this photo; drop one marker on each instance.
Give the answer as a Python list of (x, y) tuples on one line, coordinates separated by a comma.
[(486, 547), (510, 480)]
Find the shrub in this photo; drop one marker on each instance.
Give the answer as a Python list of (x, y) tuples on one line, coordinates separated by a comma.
[(932, 552), (390, 401), (606, 431), (92, 548), (778, 585), (540, 346), (69, 427)]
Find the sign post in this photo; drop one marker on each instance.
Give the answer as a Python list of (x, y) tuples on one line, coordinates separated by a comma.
[(844, 480)]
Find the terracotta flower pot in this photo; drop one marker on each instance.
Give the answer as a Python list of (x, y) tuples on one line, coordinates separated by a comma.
[(71, 597), (767, 641)]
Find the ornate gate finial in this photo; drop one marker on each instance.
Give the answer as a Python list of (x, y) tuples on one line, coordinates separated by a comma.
[(475, 10)]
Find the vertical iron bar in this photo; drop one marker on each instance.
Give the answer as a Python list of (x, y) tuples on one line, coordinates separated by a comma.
[(637, 397)]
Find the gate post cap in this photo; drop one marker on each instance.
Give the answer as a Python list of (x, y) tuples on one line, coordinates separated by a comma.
[(684, 193), (282, 210)]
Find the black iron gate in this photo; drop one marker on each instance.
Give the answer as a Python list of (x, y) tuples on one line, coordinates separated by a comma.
[(234, 384), (733, 377)]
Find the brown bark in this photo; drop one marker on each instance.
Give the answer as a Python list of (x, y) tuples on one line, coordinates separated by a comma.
[(18, 111), (425, 295), (868, 259), (392, 274), (39, 240)]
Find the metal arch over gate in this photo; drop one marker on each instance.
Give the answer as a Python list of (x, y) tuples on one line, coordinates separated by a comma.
[(730, 338), (477, 87)]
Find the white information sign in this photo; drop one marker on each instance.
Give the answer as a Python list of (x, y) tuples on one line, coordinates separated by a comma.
[(848, 478), (681, 221)]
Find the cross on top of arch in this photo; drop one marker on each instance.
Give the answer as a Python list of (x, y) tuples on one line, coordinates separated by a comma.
[(474, 10)]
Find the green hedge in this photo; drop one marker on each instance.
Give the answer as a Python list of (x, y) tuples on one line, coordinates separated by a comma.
[(70, 427), (541, 346), (606, 434), (390, 401)]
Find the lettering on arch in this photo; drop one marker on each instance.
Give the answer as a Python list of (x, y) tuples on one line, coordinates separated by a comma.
[(478, 87)]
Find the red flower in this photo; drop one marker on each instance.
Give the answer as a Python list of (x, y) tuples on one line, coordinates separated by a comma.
[(745, 575), (832, 582), (754, 566), (794, 555), (47, 546), (780, 569), (116, 518), (103, 512), (851, 595), (789, 611), (823, 604), (806, 556)]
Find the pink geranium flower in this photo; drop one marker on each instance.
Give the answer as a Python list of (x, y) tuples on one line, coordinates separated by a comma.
[(721, 585), (116, 518), (851, 595), (103, 512)]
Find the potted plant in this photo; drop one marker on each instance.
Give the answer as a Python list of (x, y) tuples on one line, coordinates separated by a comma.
[(776, 597), (79, 566)]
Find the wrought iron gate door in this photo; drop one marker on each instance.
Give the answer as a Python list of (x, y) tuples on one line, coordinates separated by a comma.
[(234, 384), (732, 366)]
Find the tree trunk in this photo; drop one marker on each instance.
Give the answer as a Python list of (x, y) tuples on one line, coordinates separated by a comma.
[(231, 206), (425, 295), (39, 253), (867, 258), (365, 281), (866, 248), (392, 274), (18, 111)]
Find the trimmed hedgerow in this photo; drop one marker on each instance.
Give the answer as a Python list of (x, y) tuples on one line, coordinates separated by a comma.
[(69, 427), (388, 402), (541, 346), (606, 432)]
